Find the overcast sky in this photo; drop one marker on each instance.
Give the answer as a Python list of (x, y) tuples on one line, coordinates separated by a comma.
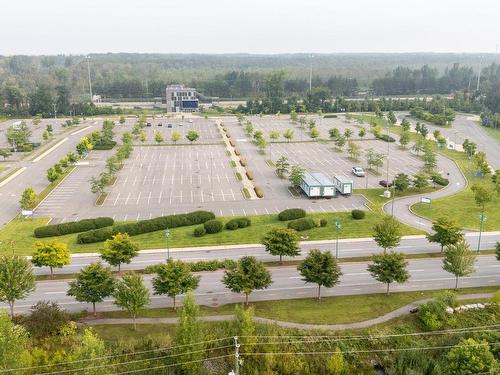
[(251, 26)]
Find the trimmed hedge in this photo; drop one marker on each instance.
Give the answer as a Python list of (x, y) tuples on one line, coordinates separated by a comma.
[(386, 138), (199, 231), (238, 223), (146, 226), (213, 226), (291, 214), (243, 162), (440, 180), (358, 214), (249, 175), (258, 191), (304, 223), (104, 146), (202, 265), (72, 227)]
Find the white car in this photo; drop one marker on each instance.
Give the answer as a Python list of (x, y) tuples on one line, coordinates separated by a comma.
[(358, 171)]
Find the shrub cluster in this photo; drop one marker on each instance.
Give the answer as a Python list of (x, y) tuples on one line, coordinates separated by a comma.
[(385, 137), (358, 214), (301, 224), (258, 191), (199, 232), (73, 227), (104, 146), (440, 180), (238, 223), (291, 214), (323, 223), (213, 226), (146, 226)]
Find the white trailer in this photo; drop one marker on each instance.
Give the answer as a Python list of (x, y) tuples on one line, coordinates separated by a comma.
[(344, 185)]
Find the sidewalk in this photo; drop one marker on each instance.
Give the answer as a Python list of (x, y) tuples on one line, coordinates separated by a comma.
[(404, 310)]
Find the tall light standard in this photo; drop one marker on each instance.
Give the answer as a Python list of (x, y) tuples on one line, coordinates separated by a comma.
[(310, 74), (482, 219), (337, 230), (90, 82), (388, 152), (167, 236)]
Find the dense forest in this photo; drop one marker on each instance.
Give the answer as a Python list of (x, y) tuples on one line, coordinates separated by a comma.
[(43, 84)]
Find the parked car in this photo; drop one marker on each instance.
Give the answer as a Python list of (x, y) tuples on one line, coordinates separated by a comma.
[(169, 125), (180, 124), (358, 171), (148, 124), (160, 124), (190, 121), (385, 183)]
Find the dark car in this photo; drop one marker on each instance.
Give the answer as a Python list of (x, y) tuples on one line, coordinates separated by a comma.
[(385, 183), (148, 124), (160, 124), (169, 126)]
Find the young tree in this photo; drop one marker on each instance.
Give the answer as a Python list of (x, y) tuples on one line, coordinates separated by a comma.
[(192, 136), (28, 199), (362, 133), (405, 124), (282, 242), (296, 175), (189, 336), (92, 284), (482, 195), (274, 135), (174, 278), (374, 159), (248, 275), (52, 174), (131, 294), (469, 148), (334, 133), (176, 136), (401, 182), (429, 158), (314, 133), (97, 185), (340, 142), (388, 268), (119, 249), (122, 120), (420, 181), (16, 279), (387, 233), (143, 136), (446, 232), (249, 128), (470, 357), (52, 254), (288, 134), (392, 118), (348, 134), (262, 144), (84, 146), (459, 260), (127, 137), (45, 135), (282, 166), (14, 344), (90, 350), (482, 163), (320, 268), (354, 150), (419, 145), (158, 137)]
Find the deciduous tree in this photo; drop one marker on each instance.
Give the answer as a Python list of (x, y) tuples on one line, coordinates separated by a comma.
[(446, 232), (119, 249), (320, 268), (53, 254), (131, 294), (387, 233), (459, 260), (16, 279), (388, 268), (282, 242)]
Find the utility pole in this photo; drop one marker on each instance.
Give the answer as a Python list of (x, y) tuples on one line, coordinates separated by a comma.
[(90, 82), (55, 110), (482, 219), (388, 151), (236, 356), (479, 74), (310, 74)]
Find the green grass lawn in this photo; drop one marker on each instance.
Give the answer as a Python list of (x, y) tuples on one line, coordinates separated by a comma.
[(493, 133), (461, 206), (330, 310), (20, 231)]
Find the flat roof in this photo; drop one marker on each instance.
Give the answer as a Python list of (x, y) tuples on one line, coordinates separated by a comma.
[(344, 180), (317, 179)]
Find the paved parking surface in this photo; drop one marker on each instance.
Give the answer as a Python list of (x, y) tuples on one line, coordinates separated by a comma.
[(206, 129)]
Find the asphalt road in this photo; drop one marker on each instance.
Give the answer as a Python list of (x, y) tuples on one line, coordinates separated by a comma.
[(347, 248), (426, 274)]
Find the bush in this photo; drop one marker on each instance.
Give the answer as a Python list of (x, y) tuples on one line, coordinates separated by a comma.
[(45, 319), (291, 214), (199, 231), (213, 226), (258, 192), (238, 223), (249, 175), (358, 214), (323, 223), (304, 223), (439, 180), (104, 146), (330, 116), (243, 162), (385, 137), (72, 227), (146, 226)]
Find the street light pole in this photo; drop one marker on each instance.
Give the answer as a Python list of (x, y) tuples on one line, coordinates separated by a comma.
[(482, 219), (337, 229), (90, 82), (388, 151)]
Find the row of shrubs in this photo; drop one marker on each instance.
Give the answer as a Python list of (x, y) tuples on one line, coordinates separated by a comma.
[(73, 227), (215, 226), (291, 214), (200, 266), (306, 223), (146, 226), (440, 180), (385, 137)]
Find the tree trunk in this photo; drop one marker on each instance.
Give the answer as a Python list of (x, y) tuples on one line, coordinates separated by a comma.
[(11, 304), (119, 267), (281, 259), (246, 299), (456, 282), (93, 307), (135, 324), (51, 272), (387, 291), (319, 292), (442, 247), (175, 306)]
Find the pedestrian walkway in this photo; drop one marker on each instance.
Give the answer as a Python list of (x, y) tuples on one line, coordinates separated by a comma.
[(404, 310)]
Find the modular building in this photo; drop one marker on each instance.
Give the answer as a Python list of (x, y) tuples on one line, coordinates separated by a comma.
[(181, 99), (317, 184), (344, 185)]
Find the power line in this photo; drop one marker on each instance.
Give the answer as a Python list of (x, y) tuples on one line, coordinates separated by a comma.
[(133, 361), (116, 356)]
